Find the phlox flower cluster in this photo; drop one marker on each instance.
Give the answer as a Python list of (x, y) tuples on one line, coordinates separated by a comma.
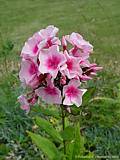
[(54, 69)]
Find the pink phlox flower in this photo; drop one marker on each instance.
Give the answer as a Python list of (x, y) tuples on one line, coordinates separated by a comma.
[(30, 49), (74, 38), (94, 69), (71, 68), (48, 36), (84, 63), (34, 83), (29, 72), (90, 71), (82, 48), (48, 43), (51, 60), (24, 103), (48, 32), (85, 78), (50, 94), (72, 93)]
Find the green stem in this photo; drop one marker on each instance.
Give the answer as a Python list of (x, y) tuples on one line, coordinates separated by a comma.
[(63, 126)]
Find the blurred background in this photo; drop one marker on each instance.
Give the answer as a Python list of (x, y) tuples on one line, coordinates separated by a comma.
[(99, 22)]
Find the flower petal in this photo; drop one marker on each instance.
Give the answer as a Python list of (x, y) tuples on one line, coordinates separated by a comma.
[(51, 60), (78, 99), (24, 103), (72, 69), (48, 32), (28, 72), (50, 94)]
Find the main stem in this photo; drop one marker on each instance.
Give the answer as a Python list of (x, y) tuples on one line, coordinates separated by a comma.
[(63, 126)]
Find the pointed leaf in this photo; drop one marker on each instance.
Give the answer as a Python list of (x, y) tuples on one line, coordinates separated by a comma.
[(46, 146), (78, 149), (47, 126), (75, 148)]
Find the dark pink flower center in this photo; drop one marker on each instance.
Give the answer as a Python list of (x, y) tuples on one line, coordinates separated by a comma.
[(35, 49), (72, 91), (49, 42), (75, 49), (52, 62), (64, 48), (50, 90), (33, 69), (69, 64)]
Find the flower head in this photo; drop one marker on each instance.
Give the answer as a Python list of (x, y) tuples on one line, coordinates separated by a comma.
[(52, 74)]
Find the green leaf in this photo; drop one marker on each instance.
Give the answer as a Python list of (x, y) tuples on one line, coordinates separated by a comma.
[(75, 148), (46, 146), (68, 133), (78, 149), (69, 149), (48, 112), (47, 126)]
